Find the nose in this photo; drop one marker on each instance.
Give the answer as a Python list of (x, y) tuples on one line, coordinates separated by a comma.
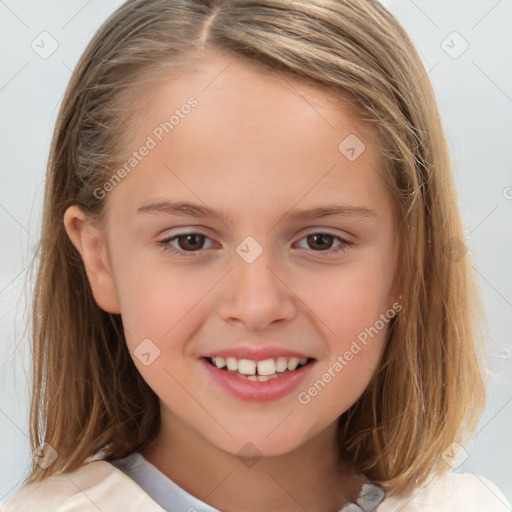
[(255, 295)]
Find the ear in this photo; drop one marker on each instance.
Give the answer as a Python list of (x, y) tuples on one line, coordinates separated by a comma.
[(90, 243)]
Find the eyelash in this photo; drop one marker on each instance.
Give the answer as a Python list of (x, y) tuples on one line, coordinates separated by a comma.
[(164, 244)]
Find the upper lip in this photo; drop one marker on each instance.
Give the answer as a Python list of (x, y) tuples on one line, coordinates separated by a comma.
[(255, 353)]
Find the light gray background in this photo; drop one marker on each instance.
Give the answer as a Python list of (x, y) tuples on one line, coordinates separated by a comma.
[(474, 92)]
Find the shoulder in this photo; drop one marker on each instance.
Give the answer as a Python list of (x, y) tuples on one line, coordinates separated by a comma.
[(451, 492), (96, 485)]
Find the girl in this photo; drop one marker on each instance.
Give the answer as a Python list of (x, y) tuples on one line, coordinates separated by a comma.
[(314, 349)]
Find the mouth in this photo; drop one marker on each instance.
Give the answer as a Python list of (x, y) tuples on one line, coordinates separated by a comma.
[(260, 371)]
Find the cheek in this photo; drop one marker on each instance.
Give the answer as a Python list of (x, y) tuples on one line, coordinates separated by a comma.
[(354, 308), (348, 298), (353, 354), (157, 296)]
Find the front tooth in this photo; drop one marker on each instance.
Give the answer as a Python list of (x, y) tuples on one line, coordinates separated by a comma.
[(281, 364), (247, 367), (293, 363), (232, 364), (262, 378), (266, 367), (219, 362)]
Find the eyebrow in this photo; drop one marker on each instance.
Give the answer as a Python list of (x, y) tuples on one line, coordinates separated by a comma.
[(185, 208)]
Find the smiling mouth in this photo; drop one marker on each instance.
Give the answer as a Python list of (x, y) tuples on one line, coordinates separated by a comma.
[(264, 370)]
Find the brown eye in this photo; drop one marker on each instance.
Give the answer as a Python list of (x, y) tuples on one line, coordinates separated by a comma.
[(185, 244), (320, 241), (190, 242)]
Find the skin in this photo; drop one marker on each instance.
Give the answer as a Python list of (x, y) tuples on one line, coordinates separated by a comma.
[(256, 146)]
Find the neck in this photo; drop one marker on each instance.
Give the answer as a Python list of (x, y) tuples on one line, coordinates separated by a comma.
[(311, 477)]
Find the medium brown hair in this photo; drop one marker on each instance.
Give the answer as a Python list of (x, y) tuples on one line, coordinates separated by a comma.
[(427, 392)]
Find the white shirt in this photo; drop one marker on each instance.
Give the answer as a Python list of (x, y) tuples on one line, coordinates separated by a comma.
[(99, 485), (172, 497)]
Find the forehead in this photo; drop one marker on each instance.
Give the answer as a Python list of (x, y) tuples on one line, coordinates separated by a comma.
[(250, 132)]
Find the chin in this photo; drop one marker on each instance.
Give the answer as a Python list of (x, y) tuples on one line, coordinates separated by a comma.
[(254, 443)]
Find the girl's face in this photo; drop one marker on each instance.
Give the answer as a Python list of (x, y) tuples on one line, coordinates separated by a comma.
[(284, 249)]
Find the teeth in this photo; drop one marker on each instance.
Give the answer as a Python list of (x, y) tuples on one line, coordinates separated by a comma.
[(247, 367), (219, 362), (260, 378), (281, 364), (266, 367), (232, 364), (293, 363), (259, 370)]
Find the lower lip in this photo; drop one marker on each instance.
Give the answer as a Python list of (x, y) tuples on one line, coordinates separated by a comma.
[(271, 389)]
